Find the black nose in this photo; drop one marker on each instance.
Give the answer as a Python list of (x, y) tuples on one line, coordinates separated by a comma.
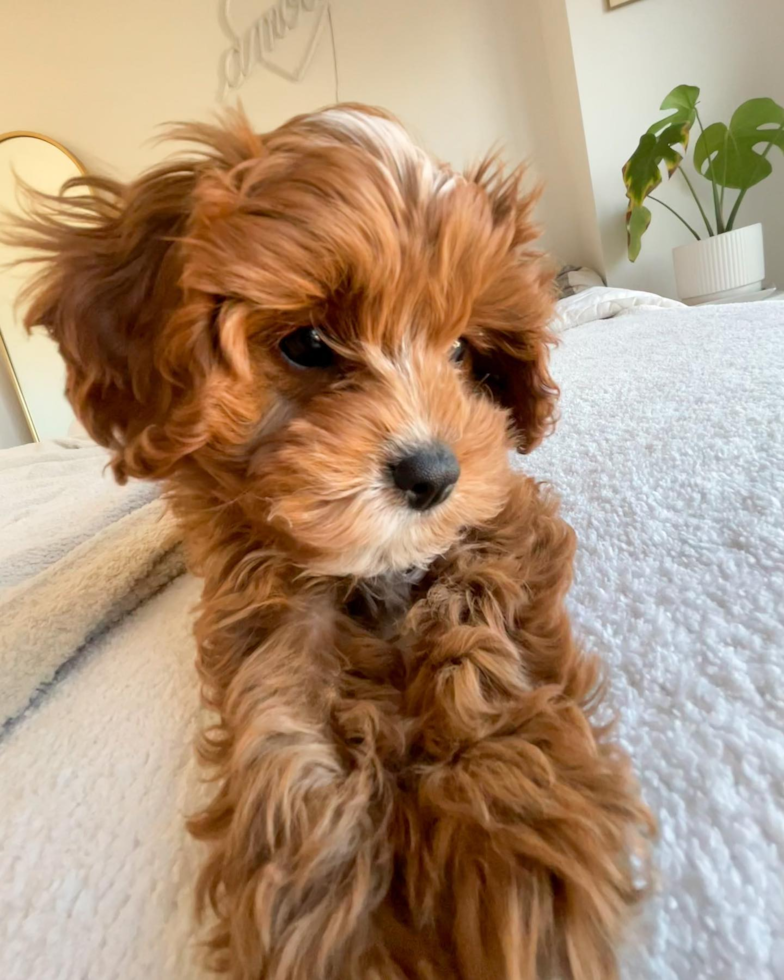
[(426, 476)]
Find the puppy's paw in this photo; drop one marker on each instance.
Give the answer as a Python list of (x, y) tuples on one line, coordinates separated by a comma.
[(530, 847)]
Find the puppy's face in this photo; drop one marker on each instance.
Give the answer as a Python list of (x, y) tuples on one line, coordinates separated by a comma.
[(320, 328), (371, 452)]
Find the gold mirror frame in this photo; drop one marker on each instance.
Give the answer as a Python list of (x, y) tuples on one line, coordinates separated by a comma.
[(4, 355)]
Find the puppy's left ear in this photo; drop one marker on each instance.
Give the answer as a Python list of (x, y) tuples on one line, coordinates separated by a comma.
[(513, 313), (513, 367)]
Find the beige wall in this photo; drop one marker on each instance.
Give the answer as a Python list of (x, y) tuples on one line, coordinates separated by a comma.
[(564, 82), (464, 75), (626, 60)]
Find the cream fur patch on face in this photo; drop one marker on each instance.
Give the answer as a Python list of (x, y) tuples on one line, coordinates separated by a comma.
[(376, 132), (387, 139)]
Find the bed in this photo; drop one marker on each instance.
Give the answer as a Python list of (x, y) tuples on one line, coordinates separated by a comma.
[(670, 461)]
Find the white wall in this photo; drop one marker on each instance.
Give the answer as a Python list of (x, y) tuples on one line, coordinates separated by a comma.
[(542, 42), (626, 60), (464, 75), (13, 428)]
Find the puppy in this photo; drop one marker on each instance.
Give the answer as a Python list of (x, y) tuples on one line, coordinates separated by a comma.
[(326, 345)]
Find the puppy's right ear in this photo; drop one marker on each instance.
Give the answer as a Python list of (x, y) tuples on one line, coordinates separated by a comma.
[(108, 278), (108, 288)]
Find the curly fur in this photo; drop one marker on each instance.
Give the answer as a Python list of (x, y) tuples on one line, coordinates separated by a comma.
[(408, 779)]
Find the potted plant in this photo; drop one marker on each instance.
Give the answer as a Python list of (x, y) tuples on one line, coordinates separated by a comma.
[(725, 261)]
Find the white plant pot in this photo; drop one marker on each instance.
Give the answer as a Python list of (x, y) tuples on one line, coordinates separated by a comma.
[(722, 267)]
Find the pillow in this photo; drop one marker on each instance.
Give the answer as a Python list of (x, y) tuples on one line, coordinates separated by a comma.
[(603, 302), (574, 279)]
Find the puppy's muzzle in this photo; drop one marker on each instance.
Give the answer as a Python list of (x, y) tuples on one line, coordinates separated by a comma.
[(426, 476)]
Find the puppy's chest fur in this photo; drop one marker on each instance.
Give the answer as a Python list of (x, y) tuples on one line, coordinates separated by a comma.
[(380, 604)]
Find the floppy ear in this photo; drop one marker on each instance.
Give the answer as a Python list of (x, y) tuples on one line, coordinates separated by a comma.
[(108, 278), (109, 292), (511, 350), (514, 369)]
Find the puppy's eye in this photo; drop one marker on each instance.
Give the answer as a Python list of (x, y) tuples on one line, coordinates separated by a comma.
[(307, 349), (458, 351)]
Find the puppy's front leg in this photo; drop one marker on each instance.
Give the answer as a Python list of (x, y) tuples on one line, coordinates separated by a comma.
[(300, 854), (526, 820)]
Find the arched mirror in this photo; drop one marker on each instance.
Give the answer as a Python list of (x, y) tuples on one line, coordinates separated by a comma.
[(32, 374)]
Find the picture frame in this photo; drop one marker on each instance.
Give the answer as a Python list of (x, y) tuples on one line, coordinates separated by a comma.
[(31, 364)]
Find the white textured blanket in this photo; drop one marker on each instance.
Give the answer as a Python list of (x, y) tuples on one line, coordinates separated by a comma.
[(77, 553), (670, 460)]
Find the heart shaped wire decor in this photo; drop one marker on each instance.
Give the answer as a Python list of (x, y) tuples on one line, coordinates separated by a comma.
[(256, 45)]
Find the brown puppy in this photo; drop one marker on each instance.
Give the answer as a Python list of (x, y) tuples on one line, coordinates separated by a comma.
[(327, 345)]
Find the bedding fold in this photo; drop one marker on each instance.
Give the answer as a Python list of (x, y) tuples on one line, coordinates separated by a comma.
[(47, 618), (77, 554)]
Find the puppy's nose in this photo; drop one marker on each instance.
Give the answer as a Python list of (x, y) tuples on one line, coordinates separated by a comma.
[(427, 475)]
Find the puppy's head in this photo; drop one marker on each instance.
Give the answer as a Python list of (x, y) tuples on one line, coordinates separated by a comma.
[(320, 327)]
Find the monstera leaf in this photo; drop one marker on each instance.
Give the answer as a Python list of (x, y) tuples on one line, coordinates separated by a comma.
[(642, 175), (642, 171), (637, 221), (731, 154), (683, 100)]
